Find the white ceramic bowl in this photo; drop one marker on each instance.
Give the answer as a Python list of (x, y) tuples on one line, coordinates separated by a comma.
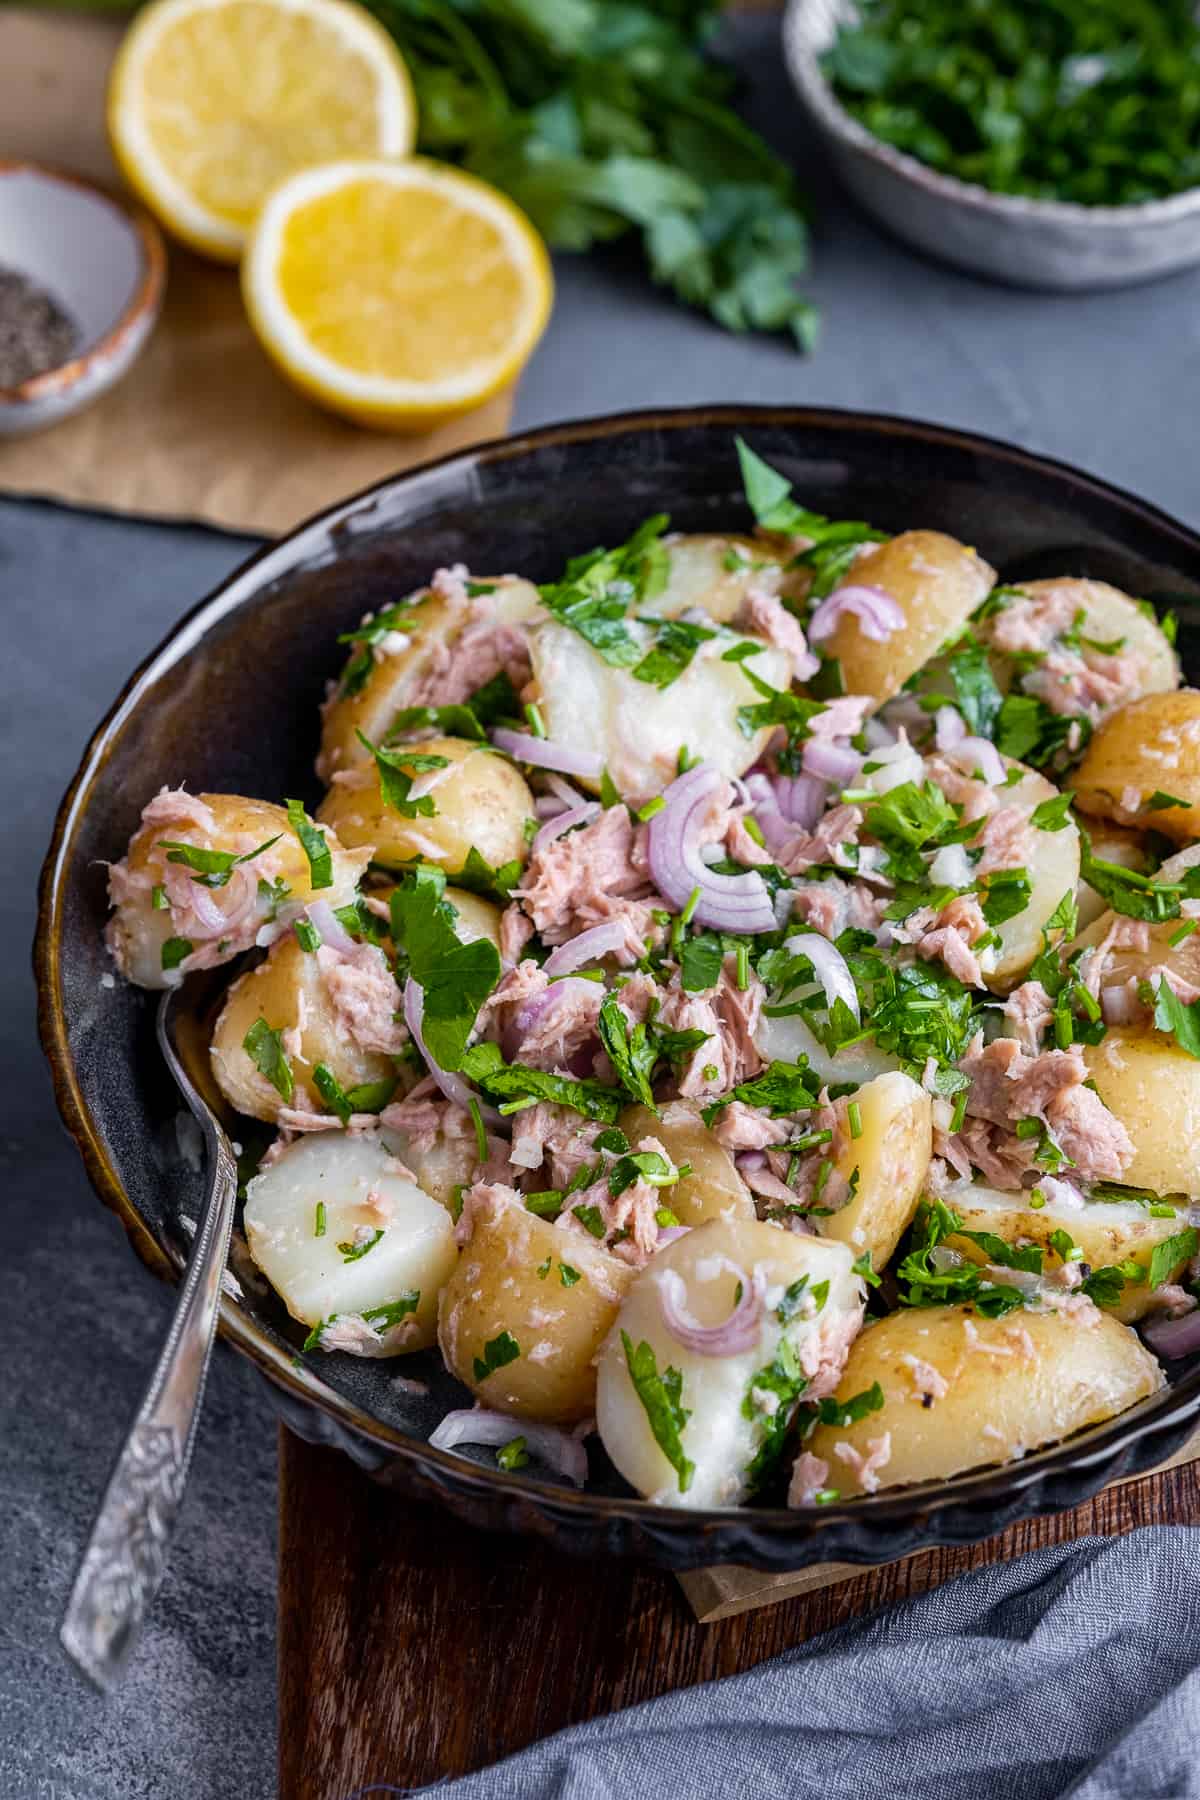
[(1008, 237), (105, 264)]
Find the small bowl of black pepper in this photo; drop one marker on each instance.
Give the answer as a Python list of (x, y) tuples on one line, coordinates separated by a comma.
[(81, 285)]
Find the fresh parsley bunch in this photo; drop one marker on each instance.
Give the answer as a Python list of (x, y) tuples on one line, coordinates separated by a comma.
[(605, 117)]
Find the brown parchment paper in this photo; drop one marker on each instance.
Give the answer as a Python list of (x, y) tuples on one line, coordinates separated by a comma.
[(201, 427)]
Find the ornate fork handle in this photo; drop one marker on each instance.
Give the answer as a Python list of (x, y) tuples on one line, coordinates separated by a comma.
[(125, 1559)]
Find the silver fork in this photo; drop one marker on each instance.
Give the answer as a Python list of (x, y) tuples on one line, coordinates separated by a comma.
[(126, 1555)]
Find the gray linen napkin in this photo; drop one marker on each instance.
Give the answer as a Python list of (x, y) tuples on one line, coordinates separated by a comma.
[(1072, 1671)]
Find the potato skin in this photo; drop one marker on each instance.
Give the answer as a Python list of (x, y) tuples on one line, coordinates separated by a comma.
[(395, 681), (482, 801), (1108, 1232), (892, 1160), (1150, 744), (496, 1287), (938, 583), (137, 930), (286, 986), (996, 1406), (1153, 1087), (714, 1189)]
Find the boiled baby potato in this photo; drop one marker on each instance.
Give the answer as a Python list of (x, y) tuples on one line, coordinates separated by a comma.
[(406, 663), (443, 1166), (1153, 1087), (553, 1294), (713, 1189), (699, 1275), (481, 802), (714, 574), (1108, 1233), (997, 1389), (637, 730), (1149, 747), (350, 1244), (289, 991), (937, 583), (1052, 866), (886, 1166), (1104, 615), (1115, 844), (159, 904)]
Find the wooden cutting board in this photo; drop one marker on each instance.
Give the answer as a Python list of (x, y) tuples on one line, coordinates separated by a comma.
[(411, 1648)]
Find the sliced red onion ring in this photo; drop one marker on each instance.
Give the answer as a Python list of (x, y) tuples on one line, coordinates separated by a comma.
[(776, 828), (535, 1009), (950, 728), (740, 1331), (667, 1234), (575, 815), (877, 613), (802, 798), (545, 753), (734, 903), (453, 1086), (1173, 1338), (589, 946), (835, 763), (829, 966), (476, 1425), (972, 753), (333, 932)]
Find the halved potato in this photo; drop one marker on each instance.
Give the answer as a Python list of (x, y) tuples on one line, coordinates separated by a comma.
[(553, 1292), (886, 1166), (1150, 746), (349, 1243), (998, 1389), (638, 730), (1153, 1087), (713, 1189), (158, 901), (729, 1397), (404, 663), (481, 801), (1053, 871), (1108, 1233), (937, 583), (289, 990)]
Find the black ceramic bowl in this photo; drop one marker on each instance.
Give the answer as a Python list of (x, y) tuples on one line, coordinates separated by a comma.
[(228, 703)]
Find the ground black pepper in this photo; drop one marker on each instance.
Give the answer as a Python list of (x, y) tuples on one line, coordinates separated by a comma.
[(36, 334)]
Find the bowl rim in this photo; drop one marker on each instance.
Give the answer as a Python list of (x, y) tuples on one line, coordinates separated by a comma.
[(869, 1529), (817, 94), (139, 310)]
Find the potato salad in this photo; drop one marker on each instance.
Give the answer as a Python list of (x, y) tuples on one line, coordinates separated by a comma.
[(739, 999)]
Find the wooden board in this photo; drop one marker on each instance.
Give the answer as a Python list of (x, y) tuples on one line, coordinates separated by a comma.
[(411, 1648)]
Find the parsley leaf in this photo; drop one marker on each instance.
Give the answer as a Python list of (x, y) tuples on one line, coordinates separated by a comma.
[(455, 978), (211, 868), (175, 950), (674, 647), (661, 1397), (381, 1318), (498, 1352), (368, 1097), (314, 845), (700, 960), (484, 1064), (1178, 1017), (1053, 815), (396, 770), (979, 699), (840, 1413), (264, 1047), (631, 1051), (1169, 1252), (594, 595)]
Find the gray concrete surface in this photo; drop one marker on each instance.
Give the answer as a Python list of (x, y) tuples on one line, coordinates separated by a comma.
[(1108, 381)]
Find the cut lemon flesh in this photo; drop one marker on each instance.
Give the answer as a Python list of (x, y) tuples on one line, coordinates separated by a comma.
[(398, 294), (213, 102)]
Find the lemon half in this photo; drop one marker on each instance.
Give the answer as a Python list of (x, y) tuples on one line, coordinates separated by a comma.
[(212, 102), (398, 294)]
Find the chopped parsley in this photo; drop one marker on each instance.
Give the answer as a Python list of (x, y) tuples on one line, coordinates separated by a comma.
[(517, 1086), (380, 1318), (367, 1097), (1169, 1253), (479, 876), (319, 1227), (211, 868), (841, 1413), (661, 1397), (455, 978), (1126, 891), (923, 1283), (307, 935), (498, 1352), (396, 770), (264, 1047), (676, 643), (1160, 802), (512, 1455), (978, 698), (1053, 815), (596, 591), (389, 618), (781, 1088), (354, 1252), (314, 845), (1180, 1018), (175, 950)]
